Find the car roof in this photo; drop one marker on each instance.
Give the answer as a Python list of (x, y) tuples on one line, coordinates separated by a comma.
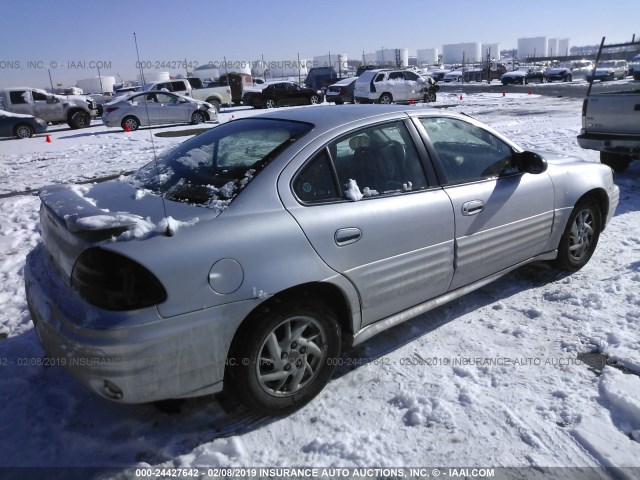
[(327, 117)]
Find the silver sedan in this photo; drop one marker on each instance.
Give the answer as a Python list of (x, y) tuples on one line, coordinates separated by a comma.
[(246, 257), (156, 108)]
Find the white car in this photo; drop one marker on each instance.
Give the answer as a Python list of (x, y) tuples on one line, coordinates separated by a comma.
[(388, 86), (155, 108), (609, 70)]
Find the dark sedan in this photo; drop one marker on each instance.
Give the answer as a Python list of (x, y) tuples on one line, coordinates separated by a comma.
[(282, 94), (524, 75), (341, 91), (20, 126), (562, 74)]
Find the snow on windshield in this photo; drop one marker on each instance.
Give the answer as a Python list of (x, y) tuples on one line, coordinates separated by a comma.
[(213, 168)]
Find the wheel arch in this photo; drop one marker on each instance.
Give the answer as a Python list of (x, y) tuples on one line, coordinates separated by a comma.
[(599, 195), (328, 293)]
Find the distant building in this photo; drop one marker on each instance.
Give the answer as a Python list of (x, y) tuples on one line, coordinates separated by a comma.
[(338, 61), (461, 53), (393, 57), (532, 47), (427, 56), (563, 47), (493, 49)]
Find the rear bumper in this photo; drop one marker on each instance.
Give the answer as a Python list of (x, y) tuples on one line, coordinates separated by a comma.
[(142, 359), (623, 144)]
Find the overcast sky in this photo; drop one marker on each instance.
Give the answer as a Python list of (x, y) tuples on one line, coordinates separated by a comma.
[(71, 37)]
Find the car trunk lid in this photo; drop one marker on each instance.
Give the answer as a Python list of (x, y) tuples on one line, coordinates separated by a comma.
[(73, 218)]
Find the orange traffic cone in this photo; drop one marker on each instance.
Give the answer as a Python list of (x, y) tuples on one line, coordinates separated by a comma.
[(411, 102), (460, 96), (48, 140), (126, 128), (504, 94)]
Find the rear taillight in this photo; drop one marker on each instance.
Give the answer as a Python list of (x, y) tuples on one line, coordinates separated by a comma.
[(111, 109), (111, 281), (584, 113)]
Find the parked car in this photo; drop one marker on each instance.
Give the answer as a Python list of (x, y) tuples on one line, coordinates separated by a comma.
[(560, 73), (319, 78), (19, 125), (282, 94), (341, 91), (610, 125), (262, 245), (438, 73), (156, 108), (73, 109), (388, 86), (634, 66), (579, 68), (609, 70), (466, 74), (194, 88), (524, 75)]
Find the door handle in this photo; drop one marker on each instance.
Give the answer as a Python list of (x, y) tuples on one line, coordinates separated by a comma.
[(347, 236), (472, 208)]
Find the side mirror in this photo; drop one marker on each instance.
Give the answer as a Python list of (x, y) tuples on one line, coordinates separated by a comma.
[(51, 99), (530, 162)]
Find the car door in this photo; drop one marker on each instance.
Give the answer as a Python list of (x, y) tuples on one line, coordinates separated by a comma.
[(171, 109), (502, 216), (366, 207), (47, 106), (21, 102), (146, 108), (398, 87)]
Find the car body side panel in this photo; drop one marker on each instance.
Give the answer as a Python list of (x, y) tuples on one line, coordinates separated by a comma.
[(404, 255), (513, 225)]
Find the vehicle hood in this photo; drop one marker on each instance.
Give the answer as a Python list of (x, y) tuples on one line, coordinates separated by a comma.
[(555, 158), (515, 73), (116, 210)]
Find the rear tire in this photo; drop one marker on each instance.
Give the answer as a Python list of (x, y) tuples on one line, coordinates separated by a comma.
[(314, 100), (580, 236), (386, 99), (79, 119), (132, 122), (284, 356), (271, 103)]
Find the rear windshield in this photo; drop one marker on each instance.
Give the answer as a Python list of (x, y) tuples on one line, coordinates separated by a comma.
[(214, 167)]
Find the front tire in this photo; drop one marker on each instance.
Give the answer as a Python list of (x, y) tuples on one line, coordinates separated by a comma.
[(284, 356), (580, 236), (198, 117), (23, 131)]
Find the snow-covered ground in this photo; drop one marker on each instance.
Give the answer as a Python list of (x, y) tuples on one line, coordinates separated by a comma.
[(490, 380)]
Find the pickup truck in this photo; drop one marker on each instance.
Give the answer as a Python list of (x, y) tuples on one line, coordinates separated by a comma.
[(75, 111), (611, 125), (192, 87)]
